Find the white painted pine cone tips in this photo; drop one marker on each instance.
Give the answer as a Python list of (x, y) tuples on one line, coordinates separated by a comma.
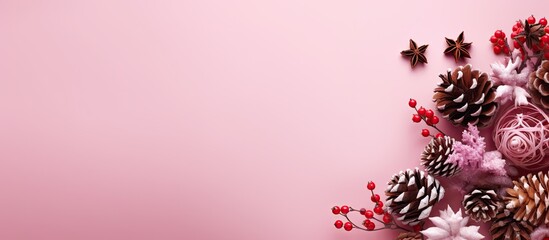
[(411, 195), (529, 199), (435, 155), (466, 96), (482, 205)]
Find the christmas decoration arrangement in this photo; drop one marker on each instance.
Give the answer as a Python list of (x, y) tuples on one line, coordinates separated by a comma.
[(505, 186)]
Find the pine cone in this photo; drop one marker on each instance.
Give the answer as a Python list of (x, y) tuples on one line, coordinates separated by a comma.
[(409, 236), (435, 154), (539, 85), (481, 205), (504, 227), (411, 195), (528, 199), (466, 96)]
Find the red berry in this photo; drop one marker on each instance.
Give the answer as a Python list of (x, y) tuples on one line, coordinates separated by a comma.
[(348, 226), (362, 211), (378, 210), (371, 185), (379, 204), (546, 55), (493, 39), (515, 28), (429, 121), (366, 222), (425, 133), (421, 111), (518, 24), (369, 214), (336, 210), (531, 19), (546, 29), (506, 50), (429, 113), (412, 103), (416, 118), (513, 34), (498, 34), (338, 224), (435, 119), (545, 39), (375, 198), (417, 228), (543, 21), (516, 44), (501, 42), (387, 218), (439, 135), (371, 226), (344, 209), (497, 49)]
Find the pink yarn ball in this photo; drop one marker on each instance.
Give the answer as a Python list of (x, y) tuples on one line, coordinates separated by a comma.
[(521, 134)]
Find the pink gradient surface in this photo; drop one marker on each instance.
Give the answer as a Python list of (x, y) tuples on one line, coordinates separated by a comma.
[(210, 119)]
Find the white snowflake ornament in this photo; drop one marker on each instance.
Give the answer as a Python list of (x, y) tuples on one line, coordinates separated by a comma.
[(511, 83)]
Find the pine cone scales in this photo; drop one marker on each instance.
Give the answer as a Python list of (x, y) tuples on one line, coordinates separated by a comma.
[(436, 153), (466, 96), (411, 195), (481, 205), (529, 199), (409, 236), (539, 85), (505, 227)]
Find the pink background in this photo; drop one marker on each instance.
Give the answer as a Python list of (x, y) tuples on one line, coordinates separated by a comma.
[(207, 119)]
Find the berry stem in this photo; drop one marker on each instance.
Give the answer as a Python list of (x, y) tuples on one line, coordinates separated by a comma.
[(424, 119)]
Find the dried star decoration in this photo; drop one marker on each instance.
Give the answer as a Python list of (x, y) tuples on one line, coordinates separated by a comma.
[(532, 33), (458, 48), (416, 53)]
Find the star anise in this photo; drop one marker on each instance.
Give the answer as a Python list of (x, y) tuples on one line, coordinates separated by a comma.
[(417, 54), (458, 48), (531, 33)]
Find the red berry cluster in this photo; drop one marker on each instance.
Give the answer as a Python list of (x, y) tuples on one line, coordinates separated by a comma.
[(369, 223), (499, 43), (426, 115)]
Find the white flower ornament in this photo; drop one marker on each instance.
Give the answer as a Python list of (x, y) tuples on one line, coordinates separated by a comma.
[(451, 225)]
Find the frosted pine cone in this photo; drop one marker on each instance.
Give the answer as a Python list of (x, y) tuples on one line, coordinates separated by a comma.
[(528, 199), (435, 154), (411, 195), (539, 85), (504, 227), (481, 205), (466, 96)]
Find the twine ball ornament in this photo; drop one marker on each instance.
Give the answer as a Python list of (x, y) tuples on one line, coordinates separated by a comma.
[(522, 136)]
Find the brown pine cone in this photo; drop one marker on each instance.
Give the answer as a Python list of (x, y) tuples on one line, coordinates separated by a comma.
[(538, 85), (411, 195), (435, 154), (481, 205), (466, 96), (504, 227), (528, 199), (409, 236)]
